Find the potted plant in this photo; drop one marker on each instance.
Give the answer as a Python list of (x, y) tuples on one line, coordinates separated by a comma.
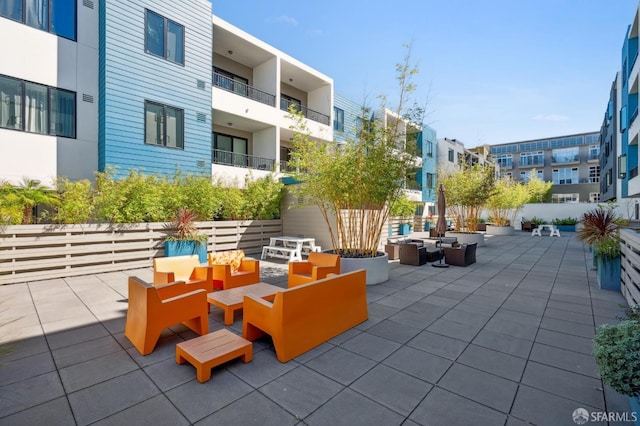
[(600, 231), (467, 190), (616, 349), (504, 203), (404, 208), (567, 224), (354, 184), (186, 239)]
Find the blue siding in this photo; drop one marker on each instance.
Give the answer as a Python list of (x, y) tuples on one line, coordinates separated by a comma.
[(129, 76), (352, 111), (429, 164), (624, 112)]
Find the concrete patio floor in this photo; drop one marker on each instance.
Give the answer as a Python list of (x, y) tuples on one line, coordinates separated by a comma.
[(505, 341)]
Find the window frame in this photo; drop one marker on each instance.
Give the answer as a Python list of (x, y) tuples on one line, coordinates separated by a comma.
[(451, 155), (338, 124), (23, 109), (594, 174), (555, 176), (233, 161), (164, 125), (165, 30), (48, 27)]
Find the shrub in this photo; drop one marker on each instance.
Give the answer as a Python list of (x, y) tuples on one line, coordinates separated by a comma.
[(262, 198), (76, 204), (617, 352), (402, 206), (538, 221), (565, 221), (185, 228)]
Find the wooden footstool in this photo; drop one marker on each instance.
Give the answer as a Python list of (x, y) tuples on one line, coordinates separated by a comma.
[(211, 350)]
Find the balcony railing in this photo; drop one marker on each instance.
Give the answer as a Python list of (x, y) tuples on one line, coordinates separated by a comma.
[(307, 112), (531, 161), (565, 159), (633, 117), (243, 89), (633, 172), (242, 160)]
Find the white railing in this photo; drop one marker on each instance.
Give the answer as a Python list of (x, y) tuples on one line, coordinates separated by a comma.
[(630, 265), (38, 252)]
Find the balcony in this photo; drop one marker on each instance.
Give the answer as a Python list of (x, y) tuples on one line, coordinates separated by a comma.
[(307, 112), (243, 89), (228, 158), (531, 162)]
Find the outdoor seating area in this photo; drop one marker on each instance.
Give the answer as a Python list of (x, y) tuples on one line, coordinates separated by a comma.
[(504, 340)]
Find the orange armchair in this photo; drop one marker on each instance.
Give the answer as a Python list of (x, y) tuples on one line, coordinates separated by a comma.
[(317, 266), (154, 308), (231, 269), (182, 268)]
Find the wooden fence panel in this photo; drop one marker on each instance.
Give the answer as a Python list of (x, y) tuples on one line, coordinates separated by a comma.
[(38, 252)]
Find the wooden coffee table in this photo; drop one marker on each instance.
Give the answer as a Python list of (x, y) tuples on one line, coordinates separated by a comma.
[(211, 350), (231, 300)]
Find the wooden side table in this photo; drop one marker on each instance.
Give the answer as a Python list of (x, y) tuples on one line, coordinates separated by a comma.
[(211, 350)]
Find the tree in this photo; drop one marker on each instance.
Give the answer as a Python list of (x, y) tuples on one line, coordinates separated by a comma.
[(30, 194), (355, 185), (506, 200), (538, 189), (468, 189)]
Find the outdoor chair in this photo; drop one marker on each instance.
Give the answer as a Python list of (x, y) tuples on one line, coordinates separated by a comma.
[(316, 267), (392, 248), (463, 255), (528, 226), (182, 268), (230, 269), (153, 308), (413, 254)]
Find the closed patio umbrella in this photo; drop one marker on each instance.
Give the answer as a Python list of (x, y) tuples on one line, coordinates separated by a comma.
[(441, 223)]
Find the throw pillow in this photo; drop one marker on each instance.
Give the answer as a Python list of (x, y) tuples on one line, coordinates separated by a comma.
[(232, 258)]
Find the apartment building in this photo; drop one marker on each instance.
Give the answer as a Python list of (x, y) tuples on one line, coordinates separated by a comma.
[(350, 116), (628, 125), (571, 162), (156, 86), (452, 154), (610, 146)]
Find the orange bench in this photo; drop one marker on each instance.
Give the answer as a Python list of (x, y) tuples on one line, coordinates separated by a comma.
[(316, 267), (303, 317), (211, 350)]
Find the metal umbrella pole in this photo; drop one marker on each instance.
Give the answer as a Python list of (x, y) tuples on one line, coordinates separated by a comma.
[(441, 224)]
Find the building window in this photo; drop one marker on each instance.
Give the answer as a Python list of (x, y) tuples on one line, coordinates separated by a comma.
[(594, 152), (450, 155), (231, 150), (164, 38), (36, 108), (594, 174), (506, 174), (505, 161), (429, 149), (526, 176), (565, 198), (566, 175), (430, 181), (459, 158), (54, 16), (164, 125), (338, 119), (565, 155), (287, 102), (535, 158), (594, 197)]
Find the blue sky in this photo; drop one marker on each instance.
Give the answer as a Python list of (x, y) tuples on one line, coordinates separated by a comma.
[(490, 71)]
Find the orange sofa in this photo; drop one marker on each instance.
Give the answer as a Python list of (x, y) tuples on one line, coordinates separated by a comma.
[(316, 267), (231, 269), (154, 308), (305, 316)]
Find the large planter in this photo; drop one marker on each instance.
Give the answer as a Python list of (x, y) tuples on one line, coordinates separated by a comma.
[(482, 227), (609, 274), (377, 267), (404, 229), (634, 402), (186, 248), (500, 230), (467, 237), (566, 228)]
